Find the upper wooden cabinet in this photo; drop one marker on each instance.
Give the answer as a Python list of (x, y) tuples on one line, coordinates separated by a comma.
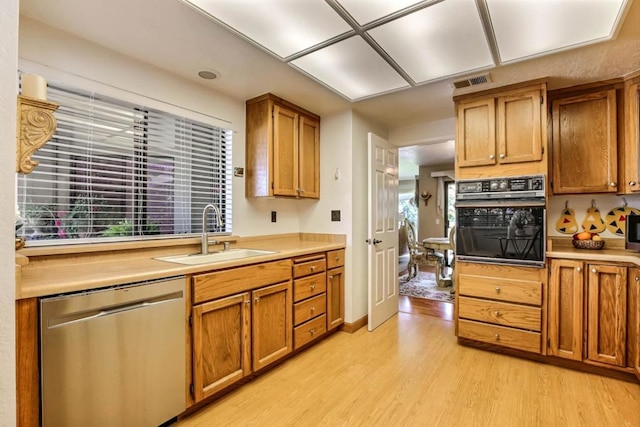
[(502, 133), (629, 155), (585, 142), (282, 149)]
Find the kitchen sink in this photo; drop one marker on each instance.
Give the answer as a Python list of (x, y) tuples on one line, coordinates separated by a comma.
[(228, 255)]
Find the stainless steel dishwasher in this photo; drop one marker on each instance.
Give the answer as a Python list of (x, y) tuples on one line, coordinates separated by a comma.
[(114, 357)]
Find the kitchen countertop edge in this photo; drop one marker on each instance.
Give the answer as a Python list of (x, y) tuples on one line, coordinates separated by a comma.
[(42, 281)]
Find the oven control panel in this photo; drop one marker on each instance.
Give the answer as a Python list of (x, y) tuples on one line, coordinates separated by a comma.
[(507, 187)]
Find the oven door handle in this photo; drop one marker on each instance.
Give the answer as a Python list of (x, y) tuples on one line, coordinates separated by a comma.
[(494, 203)]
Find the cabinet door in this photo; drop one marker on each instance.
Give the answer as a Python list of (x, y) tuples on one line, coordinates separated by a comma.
[(633, 320), (565, 326), (335, 298), (309, 158), (607, 314), (221, 344), (585, 144), (630, 154), (476, 134), (285, 152), (519, 127), (272, 323)]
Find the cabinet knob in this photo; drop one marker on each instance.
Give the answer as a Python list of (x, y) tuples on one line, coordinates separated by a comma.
[(497, 289), (613, 184), (312, 331), (247, 302), (637, 279), (313, 287), (257, 299), (594, 270), (579, 269), (502, 156), (313, 268), (632, 183), (337, 258), (497, 313), (313, 309), (497, 337), (330, 277), (491, 157)]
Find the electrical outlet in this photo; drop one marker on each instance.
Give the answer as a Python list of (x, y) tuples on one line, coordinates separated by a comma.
[(274, 215), (335, 215)]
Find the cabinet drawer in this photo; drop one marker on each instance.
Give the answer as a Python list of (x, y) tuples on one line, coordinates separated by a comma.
[(314, 266), (500, 313), (500, 335), (309, 286), (501, 288), (309, 308), (309, 331), (235, 280), (335, 258)]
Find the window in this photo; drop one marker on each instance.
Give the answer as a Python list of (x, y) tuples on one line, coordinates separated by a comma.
[(114, 170)]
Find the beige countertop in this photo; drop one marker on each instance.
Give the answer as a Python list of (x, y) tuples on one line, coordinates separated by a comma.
[(90, 267), (613, 251)]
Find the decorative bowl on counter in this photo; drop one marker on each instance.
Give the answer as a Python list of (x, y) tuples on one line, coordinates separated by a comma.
[(588, 244)]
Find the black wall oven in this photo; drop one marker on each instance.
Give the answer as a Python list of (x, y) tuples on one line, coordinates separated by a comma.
[(501, 220)]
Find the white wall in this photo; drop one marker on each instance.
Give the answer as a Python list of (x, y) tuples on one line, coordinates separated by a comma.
[(423, 133), (8, 91)]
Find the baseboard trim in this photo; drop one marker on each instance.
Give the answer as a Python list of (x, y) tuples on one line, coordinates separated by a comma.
[(352, 327)]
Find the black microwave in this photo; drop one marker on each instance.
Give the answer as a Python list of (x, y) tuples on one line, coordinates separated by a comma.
[(632, 235)]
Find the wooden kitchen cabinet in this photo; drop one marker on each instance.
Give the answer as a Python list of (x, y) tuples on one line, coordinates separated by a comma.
[(221, 344), (335, 289), (501, 305), (584, 140), (566, 301), (502, 133), (309, 298), (629, 155), (282, 149), (633, 320), (607, 314), (241, 322), (588, 312)]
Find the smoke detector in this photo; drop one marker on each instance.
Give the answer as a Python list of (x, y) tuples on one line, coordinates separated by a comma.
[(472, 81)]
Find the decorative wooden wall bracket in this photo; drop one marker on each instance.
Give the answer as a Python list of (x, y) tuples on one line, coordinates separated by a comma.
[(36, 125)]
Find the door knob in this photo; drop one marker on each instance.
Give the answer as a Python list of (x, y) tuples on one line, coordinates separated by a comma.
[(373, 241)]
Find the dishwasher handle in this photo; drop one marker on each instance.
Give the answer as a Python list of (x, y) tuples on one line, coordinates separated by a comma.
[(67, 319)]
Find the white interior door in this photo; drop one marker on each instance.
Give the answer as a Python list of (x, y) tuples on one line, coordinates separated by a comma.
[(383, 230)]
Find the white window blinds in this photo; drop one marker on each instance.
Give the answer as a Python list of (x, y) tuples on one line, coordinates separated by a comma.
[(115, 170)]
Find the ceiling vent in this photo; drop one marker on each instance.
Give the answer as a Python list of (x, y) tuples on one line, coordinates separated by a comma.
[(472, 81)]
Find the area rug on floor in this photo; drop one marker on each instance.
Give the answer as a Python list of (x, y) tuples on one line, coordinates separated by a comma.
[(424, 286)]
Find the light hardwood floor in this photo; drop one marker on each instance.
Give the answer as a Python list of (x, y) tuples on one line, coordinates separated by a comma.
[(412, 372)]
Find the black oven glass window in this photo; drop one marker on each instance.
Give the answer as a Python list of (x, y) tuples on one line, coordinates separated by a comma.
[(501, 234)]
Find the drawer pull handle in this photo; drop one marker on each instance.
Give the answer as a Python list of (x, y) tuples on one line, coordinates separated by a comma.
[(313, 287), (257, 299), (497, 289), (337, 258), (497, 313), (312, 331), (497, 337), (313, 309), (313, 268), (247, 302)]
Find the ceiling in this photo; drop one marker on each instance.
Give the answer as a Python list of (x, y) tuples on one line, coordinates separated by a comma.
[(176, 37), (362, 49)]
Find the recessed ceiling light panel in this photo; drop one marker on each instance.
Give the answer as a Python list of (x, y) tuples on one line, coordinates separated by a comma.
[(352, 68), (532, 27), (283, 27), (429, 46), (368, 11)]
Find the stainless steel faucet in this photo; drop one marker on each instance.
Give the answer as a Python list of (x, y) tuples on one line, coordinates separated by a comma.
[(204, 243)]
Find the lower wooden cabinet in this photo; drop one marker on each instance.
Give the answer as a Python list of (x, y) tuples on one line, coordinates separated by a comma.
[(271, 324), (588, 310), (335, 298), (633, 330), (501, 305)]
